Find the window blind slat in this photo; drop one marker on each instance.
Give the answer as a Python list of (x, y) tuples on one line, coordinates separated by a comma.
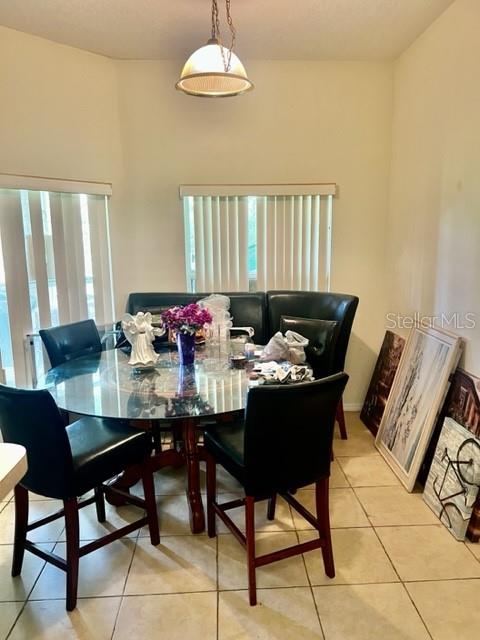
[(208, 239), (101, 269), (297, 244), (58, 241), (290, 242), (322, 262), (315, 244), (225, 245), (327, 261), (75, 261), (199, 244), (40, 263), (271, 243), (243, 244), (16, 278), (306, 231), (233, 237), (217, 245), (261, 243)]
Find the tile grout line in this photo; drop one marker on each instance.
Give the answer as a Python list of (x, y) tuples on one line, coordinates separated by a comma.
[(403, 583), (27, 599), (311, 590), (470, 551), (124, 584), (391, 562)]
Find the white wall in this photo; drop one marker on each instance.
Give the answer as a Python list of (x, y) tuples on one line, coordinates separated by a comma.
[(305, 122), (58, 110), (434, 225), (72, 114)]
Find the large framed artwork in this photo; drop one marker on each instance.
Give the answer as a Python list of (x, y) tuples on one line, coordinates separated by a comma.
[(382, 380), (454, 479), (429, 358)]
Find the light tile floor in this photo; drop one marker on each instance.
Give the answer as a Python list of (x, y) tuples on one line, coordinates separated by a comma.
[(399, 574)]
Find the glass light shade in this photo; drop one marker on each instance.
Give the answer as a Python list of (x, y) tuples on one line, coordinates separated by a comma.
[(204, 74)]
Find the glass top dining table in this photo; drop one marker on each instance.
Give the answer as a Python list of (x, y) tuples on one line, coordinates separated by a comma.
[(105, 385)]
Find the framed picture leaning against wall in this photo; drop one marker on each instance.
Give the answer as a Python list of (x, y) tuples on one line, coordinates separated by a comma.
[(429, 358)]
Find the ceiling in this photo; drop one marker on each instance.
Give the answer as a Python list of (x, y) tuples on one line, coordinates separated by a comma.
[(267, 29)]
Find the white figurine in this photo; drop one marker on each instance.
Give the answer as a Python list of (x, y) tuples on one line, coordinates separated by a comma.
[(139, 332)]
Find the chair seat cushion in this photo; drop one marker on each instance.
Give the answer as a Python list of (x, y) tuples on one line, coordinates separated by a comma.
[(224, 441), (102, 448)]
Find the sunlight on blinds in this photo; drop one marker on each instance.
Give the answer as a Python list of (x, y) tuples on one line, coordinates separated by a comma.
[(54, 266)]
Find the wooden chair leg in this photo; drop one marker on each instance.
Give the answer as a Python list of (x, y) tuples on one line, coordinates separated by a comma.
[(100, 504), (21, 523), (250, 538), (177, 438), (211, 495), (150, 504), (272, 503), (72, 531), (323, 517), (340, 417), (156, 439)]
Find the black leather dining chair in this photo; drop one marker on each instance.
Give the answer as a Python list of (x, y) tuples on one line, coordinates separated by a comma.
[(66, 463), (322, 338), (70, 341), (324, 305), (259, 452)]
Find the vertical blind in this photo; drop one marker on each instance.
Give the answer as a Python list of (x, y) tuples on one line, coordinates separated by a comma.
[(258, 237), (220, 243), (55, 263)]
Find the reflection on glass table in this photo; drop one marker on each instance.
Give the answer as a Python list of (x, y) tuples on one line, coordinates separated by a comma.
[(106, 385)]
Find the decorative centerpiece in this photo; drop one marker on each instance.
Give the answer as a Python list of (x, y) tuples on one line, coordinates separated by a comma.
[(139, 332), (185, 322)]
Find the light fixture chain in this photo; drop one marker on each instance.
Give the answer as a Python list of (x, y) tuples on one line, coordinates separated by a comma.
[(232, 31), (216, 34), (215, 21)]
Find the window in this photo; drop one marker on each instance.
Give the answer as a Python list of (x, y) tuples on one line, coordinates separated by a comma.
[(55, 263), (249, 238)]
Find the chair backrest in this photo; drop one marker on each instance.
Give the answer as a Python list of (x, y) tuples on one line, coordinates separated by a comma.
[(312, 304), (70, 341), (322, 341), (32, 419), (289, 433)]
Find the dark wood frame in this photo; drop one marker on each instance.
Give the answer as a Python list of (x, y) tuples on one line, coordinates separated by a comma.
[(70, 511), (189, 454), (321, 523)]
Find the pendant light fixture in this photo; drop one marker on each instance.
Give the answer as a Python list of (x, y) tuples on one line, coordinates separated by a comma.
[(214, 71)]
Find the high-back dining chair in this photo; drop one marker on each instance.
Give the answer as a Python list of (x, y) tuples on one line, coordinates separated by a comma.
[(322, 338), (70, 341), (324, 305), (65, 463), (261, 454)]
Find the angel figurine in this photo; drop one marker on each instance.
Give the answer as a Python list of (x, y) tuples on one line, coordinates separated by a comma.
[(140, 333)]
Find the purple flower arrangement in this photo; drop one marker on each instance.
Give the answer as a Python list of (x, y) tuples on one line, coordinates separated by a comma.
[(186, 319)]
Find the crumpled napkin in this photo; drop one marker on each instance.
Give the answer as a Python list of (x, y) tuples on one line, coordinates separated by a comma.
[(274, 373)]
